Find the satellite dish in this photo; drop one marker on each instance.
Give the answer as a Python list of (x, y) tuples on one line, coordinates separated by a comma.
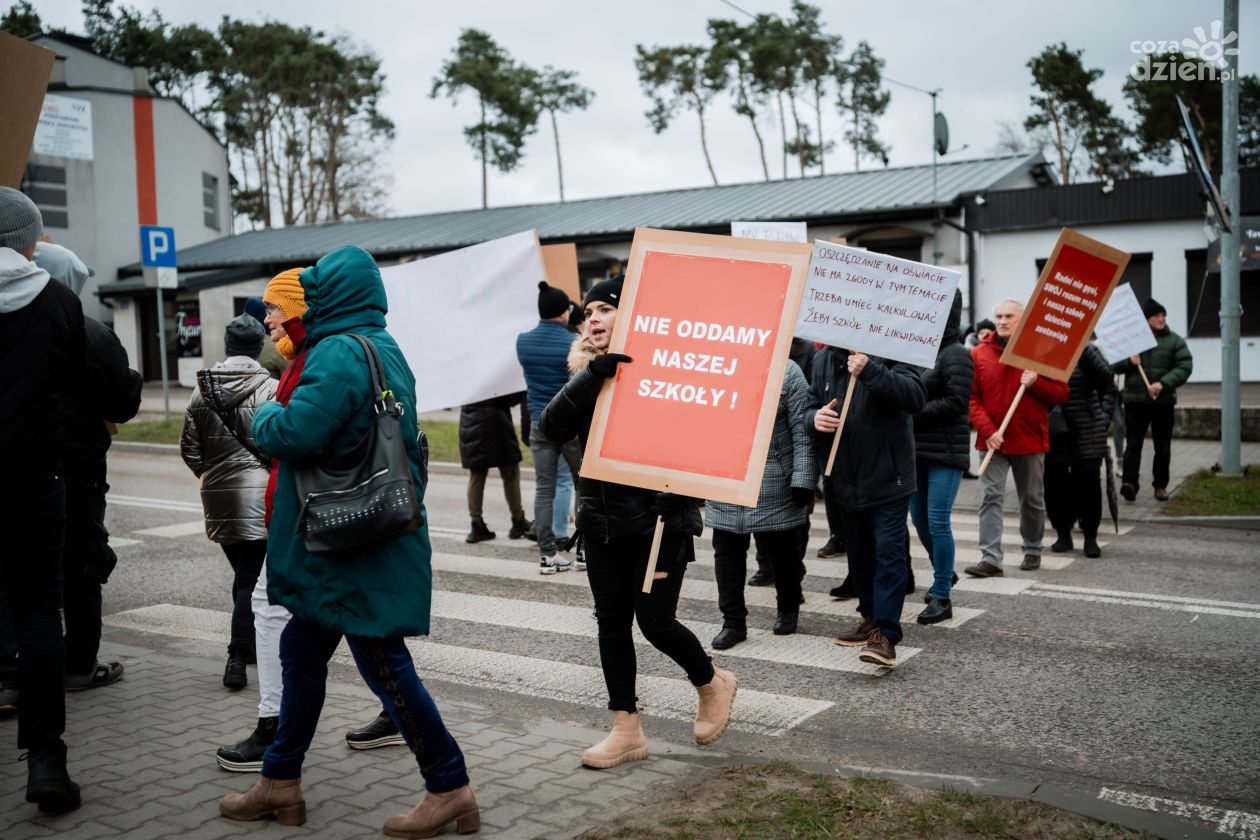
[(941, 134)]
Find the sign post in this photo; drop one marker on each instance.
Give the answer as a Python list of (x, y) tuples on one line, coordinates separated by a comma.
[(157, 255), (1066, 303), (879, 305), (707, 321)]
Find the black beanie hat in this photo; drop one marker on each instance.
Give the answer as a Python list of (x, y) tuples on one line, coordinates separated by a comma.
[(243, 337), (552, 302), (607, 291), (1152, 308)]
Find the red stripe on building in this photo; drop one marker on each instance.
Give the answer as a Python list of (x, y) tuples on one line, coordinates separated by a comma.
[(146, 166)]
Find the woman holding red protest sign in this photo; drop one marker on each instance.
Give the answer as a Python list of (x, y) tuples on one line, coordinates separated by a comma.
[(616, 522)]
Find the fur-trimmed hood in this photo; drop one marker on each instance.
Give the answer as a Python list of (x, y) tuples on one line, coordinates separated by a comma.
[(581, 352)]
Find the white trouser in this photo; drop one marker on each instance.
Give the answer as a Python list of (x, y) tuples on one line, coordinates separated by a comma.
[(269, 622)]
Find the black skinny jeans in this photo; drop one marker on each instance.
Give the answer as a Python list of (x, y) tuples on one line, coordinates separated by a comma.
[(615, 573), (1074, 493), (247, 561), (785, 550), (1159, 418), (89, 561)]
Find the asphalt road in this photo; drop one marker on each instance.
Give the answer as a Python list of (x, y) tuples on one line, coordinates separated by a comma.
[(1136, 672)]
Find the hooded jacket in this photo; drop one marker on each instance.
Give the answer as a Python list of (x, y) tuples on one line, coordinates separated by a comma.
[(487, 436), (993, 390), (233, 479), (942, 432), (875, 462), (379, 592), (42, 358), (110, 390), (605, 510)]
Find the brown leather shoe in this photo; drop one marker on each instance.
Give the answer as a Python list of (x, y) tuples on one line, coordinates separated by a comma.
[(624, 743), (714, 712), (1032, 563), (281, 798), (435, 812), (858, 636), (984, 569), (879, 651), (1161, 494)]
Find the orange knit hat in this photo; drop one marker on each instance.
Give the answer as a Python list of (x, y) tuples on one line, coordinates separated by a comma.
[(285, 291)]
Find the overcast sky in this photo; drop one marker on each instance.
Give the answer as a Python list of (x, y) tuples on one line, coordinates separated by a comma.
[(974, 51)]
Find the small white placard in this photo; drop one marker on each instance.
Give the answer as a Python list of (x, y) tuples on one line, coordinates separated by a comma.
[(1122, 329), (772, 231), (64, 128), (876, 304)]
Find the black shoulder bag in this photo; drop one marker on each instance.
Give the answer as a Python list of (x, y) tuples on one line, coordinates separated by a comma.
[(210, 389), (365, 496)]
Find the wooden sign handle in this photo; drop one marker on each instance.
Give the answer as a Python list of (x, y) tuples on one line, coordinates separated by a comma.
[(844, 411), (1010, 412), (653, 554), (1144, 379)]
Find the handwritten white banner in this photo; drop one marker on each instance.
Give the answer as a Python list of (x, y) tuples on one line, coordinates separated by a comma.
[(1122, 329), (875, 304)]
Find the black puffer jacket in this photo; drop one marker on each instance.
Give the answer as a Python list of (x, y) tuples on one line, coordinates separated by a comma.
[(875, 463), (110, 390), (1091, 401), (942, 432), (487, 437), (41, 359), (607, 510)]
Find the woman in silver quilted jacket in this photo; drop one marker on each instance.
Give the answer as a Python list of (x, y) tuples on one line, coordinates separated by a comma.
[(217, 445)]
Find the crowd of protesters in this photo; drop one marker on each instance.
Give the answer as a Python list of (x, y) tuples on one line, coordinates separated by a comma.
[(294, 384)]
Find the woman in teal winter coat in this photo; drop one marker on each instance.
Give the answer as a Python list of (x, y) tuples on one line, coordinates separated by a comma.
[(373, 598)]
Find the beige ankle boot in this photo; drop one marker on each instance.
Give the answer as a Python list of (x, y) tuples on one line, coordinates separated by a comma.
[(716, 700), (435, 812), (281, 798), (624, 743)]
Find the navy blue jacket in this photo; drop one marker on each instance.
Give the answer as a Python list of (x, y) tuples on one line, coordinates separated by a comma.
[(543, 353)]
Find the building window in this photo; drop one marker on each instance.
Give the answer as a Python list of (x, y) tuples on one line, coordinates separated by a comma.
[(210, 199), (1203, 296), (46, 186), (1137, 274)]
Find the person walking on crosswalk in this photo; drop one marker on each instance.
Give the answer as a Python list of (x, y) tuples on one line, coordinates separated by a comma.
[(617, 522), (372, 597)]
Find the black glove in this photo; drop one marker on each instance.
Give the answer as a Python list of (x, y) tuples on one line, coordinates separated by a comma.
[(802, 496), (605, 366), (667, 504)]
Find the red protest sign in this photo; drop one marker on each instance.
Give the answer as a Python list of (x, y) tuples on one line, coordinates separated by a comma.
[(708, 323), (1067, 301)]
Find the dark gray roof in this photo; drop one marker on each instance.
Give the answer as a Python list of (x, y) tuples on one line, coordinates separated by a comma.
[(879, 193)]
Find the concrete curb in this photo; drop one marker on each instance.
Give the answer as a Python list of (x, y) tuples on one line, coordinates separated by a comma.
[(145, 448), (1242, 523)]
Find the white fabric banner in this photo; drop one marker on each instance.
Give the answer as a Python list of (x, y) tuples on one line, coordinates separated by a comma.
[(1122, 329), (771, 231), (876, 304), (456, 317)]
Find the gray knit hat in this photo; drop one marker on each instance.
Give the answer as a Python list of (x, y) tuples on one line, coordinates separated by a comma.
[(243, 337), (20, 221)]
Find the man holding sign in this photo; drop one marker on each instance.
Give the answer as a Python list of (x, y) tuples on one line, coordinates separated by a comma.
[(1020, 449)]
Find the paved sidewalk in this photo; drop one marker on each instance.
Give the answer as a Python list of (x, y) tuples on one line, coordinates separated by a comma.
[(143, 752)]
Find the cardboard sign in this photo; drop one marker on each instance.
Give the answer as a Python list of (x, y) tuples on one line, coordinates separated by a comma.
[(1123, 330), (1066, 303), (25, 69), (708, 322), (876, 304), (456, 317), (560, 263), (770, 231)]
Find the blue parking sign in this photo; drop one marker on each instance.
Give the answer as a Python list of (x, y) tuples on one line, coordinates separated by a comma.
[(157, 246)]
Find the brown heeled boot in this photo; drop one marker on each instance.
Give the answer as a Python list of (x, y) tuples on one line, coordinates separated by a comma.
[(624, 743), (281, 798), (716, 700), (435, 812)]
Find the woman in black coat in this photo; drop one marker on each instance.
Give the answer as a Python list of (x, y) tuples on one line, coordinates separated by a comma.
[(617, 522), (1078, 445), (942, 443), (487, 439)]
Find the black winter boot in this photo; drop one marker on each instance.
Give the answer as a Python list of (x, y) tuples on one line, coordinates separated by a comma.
[(234, 676), (478, 532), (247, 756), (522, 528), (48, 783)]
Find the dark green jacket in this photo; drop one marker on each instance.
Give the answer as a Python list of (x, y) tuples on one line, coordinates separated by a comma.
[(1169, 362), (384, 591)]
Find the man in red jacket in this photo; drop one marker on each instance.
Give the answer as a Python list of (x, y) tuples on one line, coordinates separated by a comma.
[(1021, 449)]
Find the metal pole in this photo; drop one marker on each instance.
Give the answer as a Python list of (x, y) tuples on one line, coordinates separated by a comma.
[(166, 391), (936, 247), (1231, 302)]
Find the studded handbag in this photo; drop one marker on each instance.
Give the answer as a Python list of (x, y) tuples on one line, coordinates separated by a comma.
[(365, 496)]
